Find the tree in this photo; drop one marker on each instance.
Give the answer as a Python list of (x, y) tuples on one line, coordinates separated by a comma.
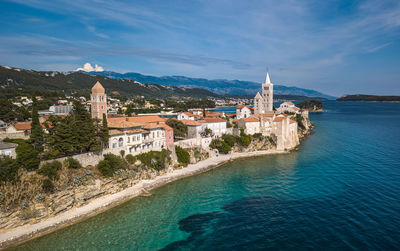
[(8, 169), (180, 130), (27, 156), (104, 132), (37, 136), (50, 170), (220, 145), (208, 131)]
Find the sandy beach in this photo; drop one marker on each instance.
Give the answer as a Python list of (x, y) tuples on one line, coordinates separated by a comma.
[(105, 202)]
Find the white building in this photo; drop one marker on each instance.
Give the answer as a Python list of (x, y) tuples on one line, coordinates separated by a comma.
[(288, 107), (8, 149), (250, 125), (217, 125), (263, 103), (186, 116), (243, 112)]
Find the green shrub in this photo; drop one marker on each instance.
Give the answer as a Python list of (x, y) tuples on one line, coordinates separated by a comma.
[(122, 152), (130, 158), (183, 155), (154, 159), (245, 140), (110, 165), (257, 135), (72, 163), (50, 169), (8, 169), (27, 156), (48, 186), (220, 145), (229, 139), (228, 124)]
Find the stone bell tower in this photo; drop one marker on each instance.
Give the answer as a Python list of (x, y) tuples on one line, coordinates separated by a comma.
[(99, 101)]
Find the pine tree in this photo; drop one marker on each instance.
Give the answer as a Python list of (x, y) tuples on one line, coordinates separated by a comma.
[(37, 135)]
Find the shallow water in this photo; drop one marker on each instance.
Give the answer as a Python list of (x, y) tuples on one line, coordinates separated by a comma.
[(341, 190)]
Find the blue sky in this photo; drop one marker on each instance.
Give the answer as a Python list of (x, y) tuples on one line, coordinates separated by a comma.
[(337, 47)]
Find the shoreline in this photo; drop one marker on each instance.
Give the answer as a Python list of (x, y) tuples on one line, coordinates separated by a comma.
[(99, 205)]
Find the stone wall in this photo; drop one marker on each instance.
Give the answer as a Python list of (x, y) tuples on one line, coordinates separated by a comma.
[(86, 159), (195, 142)]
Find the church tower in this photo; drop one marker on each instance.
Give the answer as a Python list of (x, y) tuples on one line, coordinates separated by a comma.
[(263, 103), (99, 101)]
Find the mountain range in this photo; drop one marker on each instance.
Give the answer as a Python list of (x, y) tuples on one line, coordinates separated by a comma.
[(219, 86)]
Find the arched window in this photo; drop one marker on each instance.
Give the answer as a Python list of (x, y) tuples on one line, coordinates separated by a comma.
[(120, 142)]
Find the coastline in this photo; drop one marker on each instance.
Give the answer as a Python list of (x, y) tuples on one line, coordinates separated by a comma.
[(24, 233)]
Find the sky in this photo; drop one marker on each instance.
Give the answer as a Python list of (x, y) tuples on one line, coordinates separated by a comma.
[(336, 47)]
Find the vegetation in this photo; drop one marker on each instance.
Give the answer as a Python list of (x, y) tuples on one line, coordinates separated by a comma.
[(180, 130), (208, 132), (48, 186), (8, 169), (27, 156), (11, 113), (311, 105), (245, 140), (361, 97), (154, 159), (130, 158), (37, 135), (220, 145), (50, 169), (229, 139), (299, 119), (183, 155), (103, 133), (74, 134), (72, 163), (110, 165)]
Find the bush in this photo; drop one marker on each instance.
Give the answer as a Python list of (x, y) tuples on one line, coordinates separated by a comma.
[(48, 186), (8, 169), (27, 156), (183, 155), (220, 145), (229, 139), (228, 124), (110, 165), (72, 163), (154, 159), (257, 135), (245, 140), (130, 158), (50, 169), (180, 130)]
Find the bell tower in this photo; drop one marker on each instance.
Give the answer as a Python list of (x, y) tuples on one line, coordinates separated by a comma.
[(99, 101)]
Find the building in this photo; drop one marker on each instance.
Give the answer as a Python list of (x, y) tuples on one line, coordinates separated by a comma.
[(288, 107), (8, 149), (59, 110), (250, 125), (243, 111), (186, 116), (263, 103), (217, 126), (99, 101), (194, 128)]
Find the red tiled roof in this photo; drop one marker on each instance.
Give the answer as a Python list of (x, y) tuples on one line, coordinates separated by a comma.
[(115, 132), (188, 122), (213, 120), (250, 119), (279, 119), (146, 119), (23, 125), (292, 121), (122, 124)]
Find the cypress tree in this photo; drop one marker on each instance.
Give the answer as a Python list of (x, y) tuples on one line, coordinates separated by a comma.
[(37, 136), (104, 136)]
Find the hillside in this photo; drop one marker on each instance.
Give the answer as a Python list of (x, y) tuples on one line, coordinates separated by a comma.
[(77, 81), (220, 86), (371, 98)]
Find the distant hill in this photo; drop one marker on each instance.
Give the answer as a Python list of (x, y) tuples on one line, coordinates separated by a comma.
[(77, 81), (219, 86), (371, 98)]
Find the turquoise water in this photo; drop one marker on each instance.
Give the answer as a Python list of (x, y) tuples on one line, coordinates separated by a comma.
[(341, 190)]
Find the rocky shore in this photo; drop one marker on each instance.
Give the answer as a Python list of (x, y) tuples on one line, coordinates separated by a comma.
[(97, 197)]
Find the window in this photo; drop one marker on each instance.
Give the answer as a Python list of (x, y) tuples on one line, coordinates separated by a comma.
[(129, 140), (120, 142), (114, 145)]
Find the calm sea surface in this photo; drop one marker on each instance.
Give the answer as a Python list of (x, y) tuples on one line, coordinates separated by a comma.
[(341, 190)]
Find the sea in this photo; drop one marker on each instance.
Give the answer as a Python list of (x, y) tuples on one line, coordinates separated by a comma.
[(339, 191)]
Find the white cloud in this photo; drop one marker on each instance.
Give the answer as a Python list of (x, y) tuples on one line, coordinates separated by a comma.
[(88, 68)]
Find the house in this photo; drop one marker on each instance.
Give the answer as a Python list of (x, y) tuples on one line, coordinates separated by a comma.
[(61, 109), (250, 125), (217, 125), (288, 107), (243, 111), (186, 116), (194, 128), (8, 149)]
